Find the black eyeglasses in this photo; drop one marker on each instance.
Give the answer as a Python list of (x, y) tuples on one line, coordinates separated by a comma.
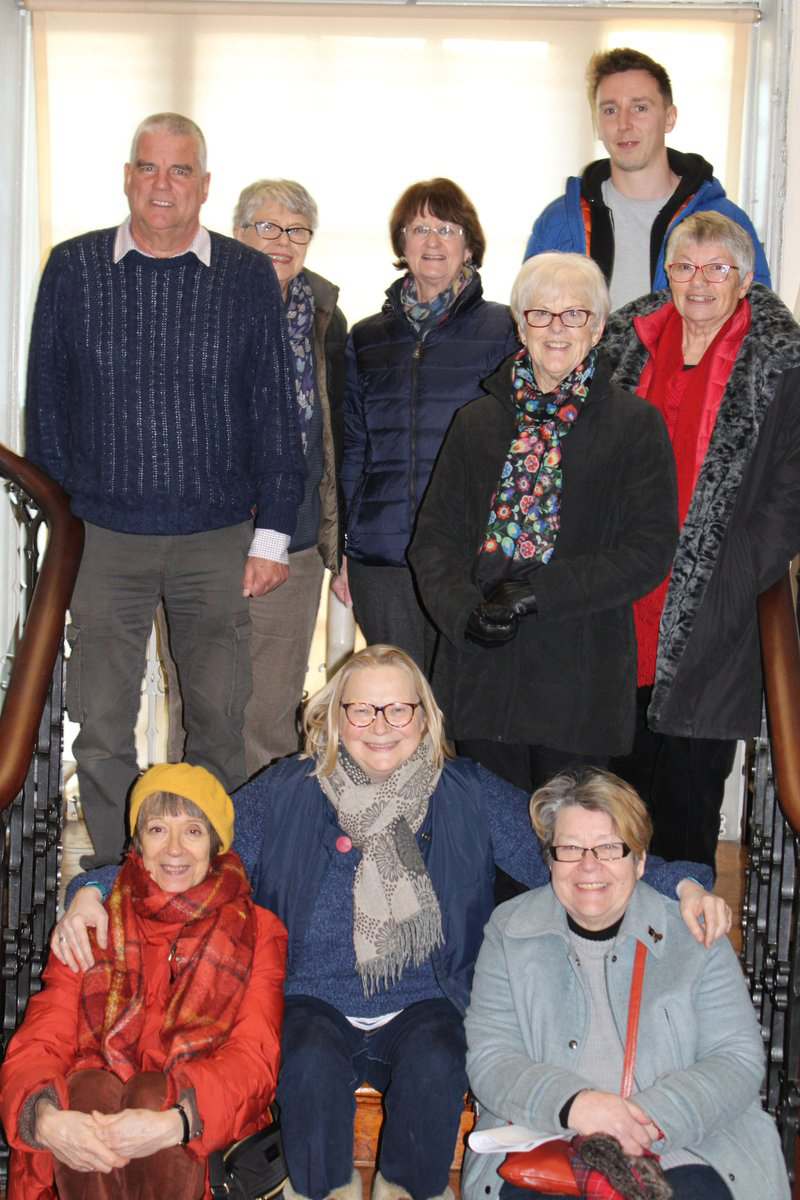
[(573, 318), (606, 852), (397, 714), (269, 231)]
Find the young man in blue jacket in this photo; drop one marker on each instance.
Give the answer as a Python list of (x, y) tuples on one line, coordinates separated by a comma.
[(622, 208)]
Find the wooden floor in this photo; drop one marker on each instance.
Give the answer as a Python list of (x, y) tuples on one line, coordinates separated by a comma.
[(731, 861)]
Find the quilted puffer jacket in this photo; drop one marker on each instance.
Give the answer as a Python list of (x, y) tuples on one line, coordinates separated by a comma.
[(401, 394)]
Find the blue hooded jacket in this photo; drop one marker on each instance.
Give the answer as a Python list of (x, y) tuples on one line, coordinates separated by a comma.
[(581, 216)]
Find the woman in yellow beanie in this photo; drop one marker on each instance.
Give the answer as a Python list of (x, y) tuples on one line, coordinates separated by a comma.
[(128, 1076)]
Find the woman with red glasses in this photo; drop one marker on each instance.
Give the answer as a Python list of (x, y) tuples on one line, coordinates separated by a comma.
[(719, 357)]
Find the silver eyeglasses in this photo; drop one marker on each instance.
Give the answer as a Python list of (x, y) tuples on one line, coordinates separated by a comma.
[(269, 231), (712, 272), (606, 852), (573, 318), (398, 714), (441, 231)]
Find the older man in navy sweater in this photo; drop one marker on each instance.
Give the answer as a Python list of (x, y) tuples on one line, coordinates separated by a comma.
[(159, 396)]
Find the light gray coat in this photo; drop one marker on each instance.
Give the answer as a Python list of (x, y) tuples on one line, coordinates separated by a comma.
[(699, 1058)]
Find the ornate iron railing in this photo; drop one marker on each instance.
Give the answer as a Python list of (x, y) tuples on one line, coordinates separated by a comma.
[(771, 904), (30, 735)]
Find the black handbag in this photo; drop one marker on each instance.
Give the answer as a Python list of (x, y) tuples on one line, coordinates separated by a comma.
[(253, 1168)]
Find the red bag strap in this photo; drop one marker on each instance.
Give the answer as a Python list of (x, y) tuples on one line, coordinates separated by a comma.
[(632, 1031)]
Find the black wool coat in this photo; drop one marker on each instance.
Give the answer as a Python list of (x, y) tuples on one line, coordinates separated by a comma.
[(568, 679)]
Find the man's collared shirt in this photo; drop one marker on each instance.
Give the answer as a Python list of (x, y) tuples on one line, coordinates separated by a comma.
[(200, 245)]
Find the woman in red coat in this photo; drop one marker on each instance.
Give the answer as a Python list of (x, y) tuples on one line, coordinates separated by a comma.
[(121, 1081)]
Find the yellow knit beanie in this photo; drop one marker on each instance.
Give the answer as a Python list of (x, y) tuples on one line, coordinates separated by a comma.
[(192, 783)]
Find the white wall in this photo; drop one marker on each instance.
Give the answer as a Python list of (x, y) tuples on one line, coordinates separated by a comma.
[(790, 282)]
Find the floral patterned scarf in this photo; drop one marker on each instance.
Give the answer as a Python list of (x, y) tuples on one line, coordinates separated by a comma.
[(211, 959), (524, 515), (396, 914), (425, 315), (300, 320)]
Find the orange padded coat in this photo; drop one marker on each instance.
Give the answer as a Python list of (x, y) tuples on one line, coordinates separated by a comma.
[(233, 1086)]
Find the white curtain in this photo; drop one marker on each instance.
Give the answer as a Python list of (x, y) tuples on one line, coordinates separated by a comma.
[(357, 103)]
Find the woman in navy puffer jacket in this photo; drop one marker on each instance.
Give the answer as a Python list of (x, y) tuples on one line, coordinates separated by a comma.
[(409, 368)]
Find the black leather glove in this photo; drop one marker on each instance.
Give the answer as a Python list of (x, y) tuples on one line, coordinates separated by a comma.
[(516, 595), (491, 624)]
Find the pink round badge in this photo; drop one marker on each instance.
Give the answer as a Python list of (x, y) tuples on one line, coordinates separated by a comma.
[(343, 844)]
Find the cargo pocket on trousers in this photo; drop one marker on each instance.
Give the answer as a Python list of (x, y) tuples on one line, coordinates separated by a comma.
[(242, 679), (74, 685)]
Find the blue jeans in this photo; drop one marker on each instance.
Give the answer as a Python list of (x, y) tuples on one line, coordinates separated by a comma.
[(691, 1182), (416, 1061)]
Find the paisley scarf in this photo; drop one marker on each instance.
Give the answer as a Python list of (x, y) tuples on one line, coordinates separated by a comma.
[(524, 515)]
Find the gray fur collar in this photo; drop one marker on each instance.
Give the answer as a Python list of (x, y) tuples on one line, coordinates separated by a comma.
[(772, 346)]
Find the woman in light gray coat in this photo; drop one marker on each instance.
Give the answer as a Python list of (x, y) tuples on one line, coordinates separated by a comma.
[(547, 1018)]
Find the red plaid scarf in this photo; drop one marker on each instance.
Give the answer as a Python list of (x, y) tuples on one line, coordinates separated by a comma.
[(211, 959), (635, 1178)]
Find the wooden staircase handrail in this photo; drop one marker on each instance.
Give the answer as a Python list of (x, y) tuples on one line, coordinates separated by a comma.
[(780, 654), (43, 632)]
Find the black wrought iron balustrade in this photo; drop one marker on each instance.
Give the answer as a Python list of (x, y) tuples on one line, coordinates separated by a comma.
[(50, 542), (771, 904)]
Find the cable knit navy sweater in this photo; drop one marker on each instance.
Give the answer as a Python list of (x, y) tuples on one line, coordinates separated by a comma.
[(159, 393)]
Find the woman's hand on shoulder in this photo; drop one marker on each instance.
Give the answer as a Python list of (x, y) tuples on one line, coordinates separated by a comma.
[(140, 1132), (606, 1112), (697, 903), (69, 940), (75, 1139)]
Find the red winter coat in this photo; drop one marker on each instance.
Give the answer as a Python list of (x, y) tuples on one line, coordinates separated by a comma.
[(233, 1086)]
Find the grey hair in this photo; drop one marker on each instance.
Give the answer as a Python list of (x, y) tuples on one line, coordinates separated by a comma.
[(701, 229), (176, 126), (596, 791), (545, 274), (168, 804), (285, 192)]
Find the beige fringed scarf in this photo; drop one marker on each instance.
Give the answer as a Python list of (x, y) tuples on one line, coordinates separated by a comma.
[(396, 915)]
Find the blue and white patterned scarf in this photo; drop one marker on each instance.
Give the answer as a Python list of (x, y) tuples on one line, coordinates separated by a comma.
[(300, 321), (425, 315)]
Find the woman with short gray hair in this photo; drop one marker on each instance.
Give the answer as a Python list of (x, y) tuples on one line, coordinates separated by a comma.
[(547, 1019), (550, 510), (719, 358), (278, 217)]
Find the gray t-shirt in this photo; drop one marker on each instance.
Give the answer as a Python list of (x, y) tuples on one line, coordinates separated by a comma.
[(632, 221)]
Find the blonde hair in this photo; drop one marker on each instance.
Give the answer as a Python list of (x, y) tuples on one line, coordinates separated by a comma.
[(596, 791), (321, 715)]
